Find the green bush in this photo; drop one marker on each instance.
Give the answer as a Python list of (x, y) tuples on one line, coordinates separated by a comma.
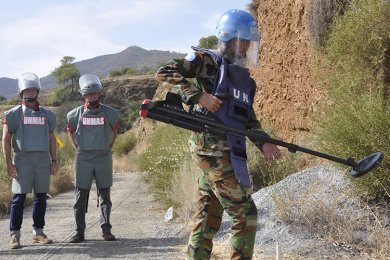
[(12, 101), (163, 160), (124, 71), (62, 95), (114, 73), (265, 174), (5, 188), (356, 58), (320, 16), (61, 113), (133, 113), (67, 153), (124, 143), (357, 127), (3, 170)]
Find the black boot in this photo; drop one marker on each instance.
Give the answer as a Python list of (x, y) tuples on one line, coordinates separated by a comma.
[(108, 236), (79, 237)]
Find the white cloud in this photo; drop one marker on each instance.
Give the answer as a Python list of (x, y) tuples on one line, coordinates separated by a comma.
[(45, 38)]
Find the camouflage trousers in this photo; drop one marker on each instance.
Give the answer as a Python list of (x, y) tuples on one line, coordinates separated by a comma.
[(219, 191)]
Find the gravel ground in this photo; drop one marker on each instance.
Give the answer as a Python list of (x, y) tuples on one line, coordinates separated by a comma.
[(139, 224), (137, 221)]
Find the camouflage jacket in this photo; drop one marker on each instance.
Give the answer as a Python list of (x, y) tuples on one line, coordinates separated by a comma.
[(190, 77)]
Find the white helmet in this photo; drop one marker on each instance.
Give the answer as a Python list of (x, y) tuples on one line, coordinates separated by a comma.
[(28, 80), (89, 83)]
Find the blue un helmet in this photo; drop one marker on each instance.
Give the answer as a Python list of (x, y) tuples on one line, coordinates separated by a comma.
[(238, 38)]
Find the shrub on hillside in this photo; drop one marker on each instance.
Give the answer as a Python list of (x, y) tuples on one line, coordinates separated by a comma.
[(265, 174), (124, 143), (124, 71), (320, 16), (130, 115), (61, 113), (5, 185), (356, 61), (62, 181), (114, 73), (12, 101), (62, 95), (163, 160)]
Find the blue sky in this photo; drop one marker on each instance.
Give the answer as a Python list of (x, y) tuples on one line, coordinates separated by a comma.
[(36, 34)]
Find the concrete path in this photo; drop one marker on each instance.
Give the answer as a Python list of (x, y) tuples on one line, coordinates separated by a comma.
[(138, 223)]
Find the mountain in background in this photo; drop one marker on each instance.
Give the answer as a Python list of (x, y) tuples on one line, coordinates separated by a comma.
[(8, 87), (132, 57)]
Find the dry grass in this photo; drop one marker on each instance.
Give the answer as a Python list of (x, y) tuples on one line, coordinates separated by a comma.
[(348, 222), (125, 163), (222, 251), (185, 189), (62, 181), (5, 198)]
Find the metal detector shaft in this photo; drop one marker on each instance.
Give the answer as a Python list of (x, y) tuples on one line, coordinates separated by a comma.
[(171, 111), (294, 148), (200, 123)]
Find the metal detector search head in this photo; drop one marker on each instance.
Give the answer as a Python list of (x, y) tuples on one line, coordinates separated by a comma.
[(367, 164)]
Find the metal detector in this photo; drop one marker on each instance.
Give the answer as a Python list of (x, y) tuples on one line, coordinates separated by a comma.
[(171, 111)]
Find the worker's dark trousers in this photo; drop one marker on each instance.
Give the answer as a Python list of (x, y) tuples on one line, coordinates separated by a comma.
[(80, 209)]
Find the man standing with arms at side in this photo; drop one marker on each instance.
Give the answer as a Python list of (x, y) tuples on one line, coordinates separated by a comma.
[(223, 89), (29, 130), (92, 129)]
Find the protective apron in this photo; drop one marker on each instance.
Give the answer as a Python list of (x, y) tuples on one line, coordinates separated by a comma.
[(94, 157), (234, 84), (33, 133)]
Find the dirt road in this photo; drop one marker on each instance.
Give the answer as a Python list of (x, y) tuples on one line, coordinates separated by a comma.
[(137, 222)]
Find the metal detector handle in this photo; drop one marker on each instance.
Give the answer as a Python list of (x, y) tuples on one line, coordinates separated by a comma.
[(295, 148), (222, 96)]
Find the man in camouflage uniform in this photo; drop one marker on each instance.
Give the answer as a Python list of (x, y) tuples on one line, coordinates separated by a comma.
[(222, 185), (29, 130), (92, 129)]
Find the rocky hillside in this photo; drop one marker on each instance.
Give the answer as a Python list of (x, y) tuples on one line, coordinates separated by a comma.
[(129, 89), (287, 95), (133, 57)]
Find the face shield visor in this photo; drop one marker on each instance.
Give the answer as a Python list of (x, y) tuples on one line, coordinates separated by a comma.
[(242, 52), (89, 84), (28, 80)]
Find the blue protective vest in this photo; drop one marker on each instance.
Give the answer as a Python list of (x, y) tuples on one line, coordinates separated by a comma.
[(235, 84)]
